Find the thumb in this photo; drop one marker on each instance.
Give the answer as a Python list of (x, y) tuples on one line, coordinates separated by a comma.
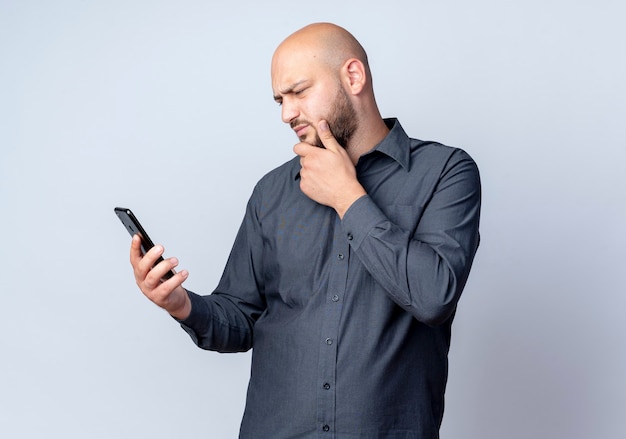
[(327, 138)]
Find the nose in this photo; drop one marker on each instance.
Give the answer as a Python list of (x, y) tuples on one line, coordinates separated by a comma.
[(289, 111)]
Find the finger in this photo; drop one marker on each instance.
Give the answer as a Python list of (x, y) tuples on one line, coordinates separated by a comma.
[(157, 274), (136, 257), (135, 249), (303, 149), (144, 263), (327, 138), (175, 281), (152, 255), (166, 293)]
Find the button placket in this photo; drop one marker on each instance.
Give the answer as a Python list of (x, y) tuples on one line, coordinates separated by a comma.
[(335, 293)]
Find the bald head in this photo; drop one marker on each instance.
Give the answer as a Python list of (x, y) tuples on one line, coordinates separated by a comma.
[(326, 43)]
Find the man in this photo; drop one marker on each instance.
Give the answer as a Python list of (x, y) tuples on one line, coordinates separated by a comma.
[(346, 271)]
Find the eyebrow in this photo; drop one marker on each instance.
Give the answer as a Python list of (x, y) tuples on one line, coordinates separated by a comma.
[(278, 97)]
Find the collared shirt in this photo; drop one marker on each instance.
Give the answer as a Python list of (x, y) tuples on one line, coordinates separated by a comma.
[(349, 320)]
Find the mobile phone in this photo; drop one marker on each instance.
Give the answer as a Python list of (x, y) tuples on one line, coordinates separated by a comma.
[(130, 221)]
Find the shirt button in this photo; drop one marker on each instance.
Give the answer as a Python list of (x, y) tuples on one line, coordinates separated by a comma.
[(340, 257), (326, 386), (350, 237), (335, 298), (329, 341), (326, 428)]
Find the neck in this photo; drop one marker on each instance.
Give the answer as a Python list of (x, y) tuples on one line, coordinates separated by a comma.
[(369, 134)]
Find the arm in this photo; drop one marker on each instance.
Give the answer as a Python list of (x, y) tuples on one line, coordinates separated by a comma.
[(220, 321), (425, 270), (224, 321)]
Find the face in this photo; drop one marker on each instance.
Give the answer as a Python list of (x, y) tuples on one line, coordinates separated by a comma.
[(309, 92), (341, 119)]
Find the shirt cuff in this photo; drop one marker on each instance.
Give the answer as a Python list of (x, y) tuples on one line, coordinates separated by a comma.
[(198, 313), (360, 219)]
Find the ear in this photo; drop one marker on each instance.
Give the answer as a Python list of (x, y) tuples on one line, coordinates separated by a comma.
[(355, 75)]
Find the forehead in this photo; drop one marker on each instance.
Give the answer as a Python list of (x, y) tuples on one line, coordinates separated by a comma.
[(291, 65)]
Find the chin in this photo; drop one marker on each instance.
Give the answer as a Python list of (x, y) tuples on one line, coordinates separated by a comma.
[(311, 139)]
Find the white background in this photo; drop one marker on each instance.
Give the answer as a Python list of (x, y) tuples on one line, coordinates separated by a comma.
[(166, 107)]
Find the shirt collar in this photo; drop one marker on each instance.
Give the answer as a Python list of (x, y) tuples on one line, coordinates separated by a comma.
[(396, 145)]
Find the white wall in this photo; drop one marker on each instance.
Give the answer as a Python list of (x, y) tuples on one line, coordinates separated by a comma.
[(165, 107)]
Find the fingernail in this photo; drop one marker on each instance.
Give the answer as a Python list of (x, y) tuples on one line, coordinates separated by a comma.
[(323, 126)]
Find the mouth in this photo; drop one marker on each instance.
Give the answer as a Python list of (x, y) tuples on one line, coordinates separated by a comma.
[(300, 130)]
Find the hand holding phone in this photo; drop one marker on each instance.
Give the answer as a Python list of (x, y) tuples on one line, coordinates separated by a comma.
[(132, 225), (170, 296)]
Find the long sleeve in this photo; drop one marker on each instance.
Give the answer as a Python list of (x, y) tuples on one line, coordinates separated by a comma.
[(421, 251), (224, 320)]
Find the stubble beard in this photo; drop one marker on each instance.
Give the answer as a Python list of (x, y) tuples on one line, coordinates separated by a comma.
[(342, 121)]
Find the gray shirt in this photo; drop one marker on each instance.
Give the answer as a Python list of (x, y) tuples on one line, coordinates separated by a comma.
[(349, 320)]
